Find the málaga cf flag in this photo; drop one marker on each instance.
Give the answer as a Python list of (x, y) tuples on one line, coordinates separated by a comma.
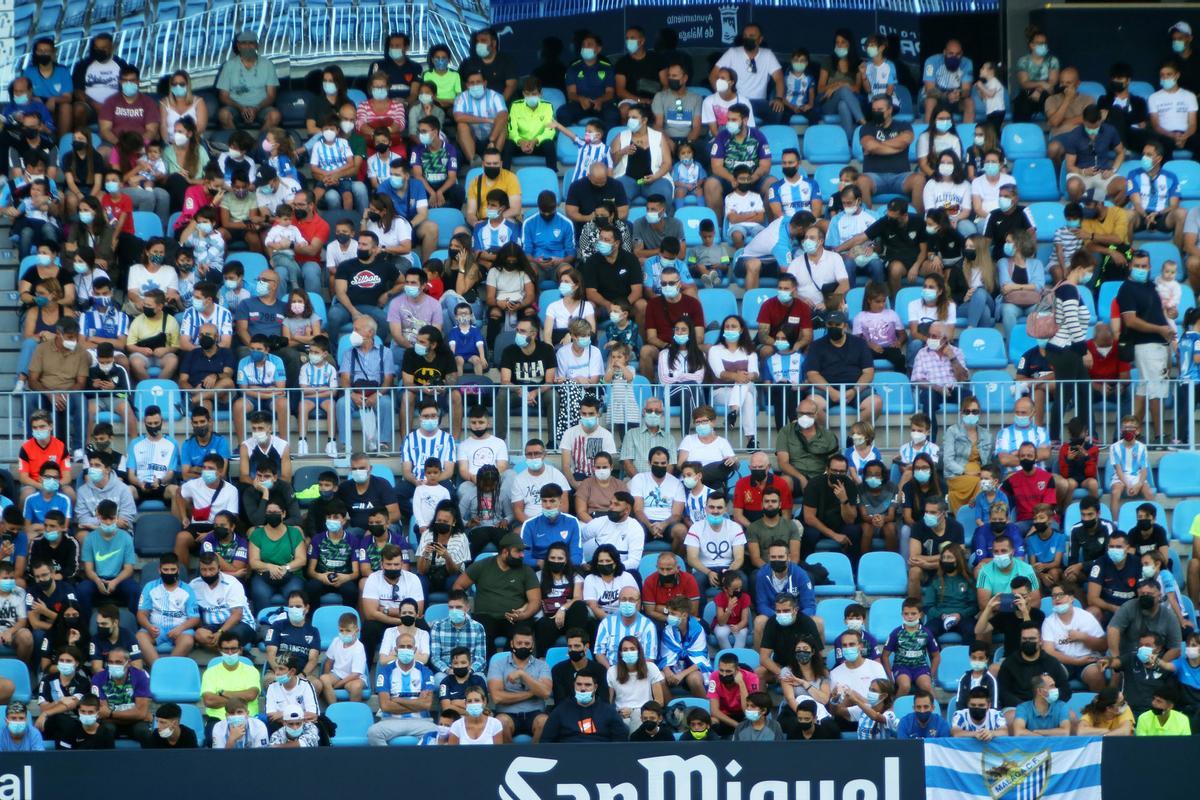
[(1026, 768)]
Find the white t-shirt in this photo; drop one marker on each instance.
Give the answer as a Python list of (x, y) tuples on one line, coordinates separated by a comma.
[(828, 268), (918, 312), (1172, 108), (722, 359), (941, 143), (715, 109), (395, 236), (1055, 630), (752, 83), (527, 488), (349, 660), (762, 245), (490, 729), (425, 502), (606, 594), (635, 692), (857, 679), (390, 634), (335, 255), (223, 498), (657, 499), (943, 194), (141, 280), (736, 203), (482, 452), (716, 547), (718, 449), (629, 537), (509, 284), (303, 695), (572, 365), (389, 596), (561, 316), (988, 192)]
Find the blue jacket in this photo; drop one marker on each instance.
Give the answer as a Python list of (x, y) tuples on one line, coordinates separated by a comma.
[(572, 723), (798, 584), (910, 728), (539, 533)]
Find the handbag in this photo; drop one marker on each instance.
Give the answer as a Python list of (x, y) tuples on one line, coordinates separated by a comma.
[(1023, 297), (1040, 322)]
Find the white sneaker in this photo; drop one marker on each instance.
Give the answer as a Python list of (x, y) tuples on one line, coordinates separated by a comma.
[(302, 447), (19, 386), (372, 446), (331, 449)]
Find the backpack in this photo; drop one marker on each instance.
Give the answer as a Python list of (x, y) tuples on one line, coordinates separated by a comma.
[(1040, 323)]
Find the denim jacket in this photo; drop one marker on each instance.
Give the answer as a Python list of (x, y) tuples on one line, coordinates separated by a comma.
[(956, 448)]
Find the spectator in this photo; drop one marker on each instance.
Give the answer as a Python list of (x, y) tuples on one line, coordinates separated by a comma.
[(1147, 330), (584, 718), (1030, 673), (1045, 714), (923, 722), (683, 652), (371, 369), (578, 663), (108, 562), (247, 86), (738, 144), (1172, 111), (1161, 719), (405, 691), (124, 693), (675, 110), (240, 730), (667, 582), (1074, 637), (591, 86)]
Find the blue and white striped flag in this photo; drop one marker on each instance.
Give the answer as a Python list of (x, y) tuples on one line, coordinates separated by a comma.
[(1028, 768)]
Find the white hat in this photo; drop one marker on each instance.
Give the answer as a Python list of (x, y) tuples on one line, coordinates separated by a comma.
[(292, 714), (1181, 27)]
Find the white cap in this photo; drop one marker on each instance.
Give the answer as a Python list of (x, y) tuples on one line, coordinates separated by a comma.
[(292, 713), (1181, 27)]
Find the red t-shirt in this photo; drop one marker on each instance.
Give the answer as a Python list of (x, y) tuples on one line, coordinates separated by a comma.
[(791, 319), (129, 116), (748, 497), (312, 227), (1027, 490), (116, 205), (662, 316), (740, 606), (659, 595), (728, 696), (33, 456), (1106, 368)]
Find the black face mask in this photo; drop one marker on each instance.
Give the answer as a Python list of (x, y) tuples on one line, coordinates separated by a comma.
[(200, 431), (674, 85), (835, 334), (790, 172), (977, 714), (1040, 526), (771, 513), (221, 532), (102, 56), (381, 148), (439, 528), (616, 516), (649, 726), (169, 580), (758, 475), (1145, 524), (556, 567), (480, 432), (1029, 648), (606, 569), (79, 147), (1146, 602), (668, 580), (408, 620), (1028, 464), (521, 653), (374, 217), (376, 530), (878, 117), (1089, 524), (343, 239), (392, 574), (300, 213), (805, 726), (207, 342), (658, 470), (727, 679), (514, 563), (577, 655), (779, 566), (969, 255), (45, 585), (461, 672), (153, 430), (492, 172), (212, 580), (43, 59), (273, 519)]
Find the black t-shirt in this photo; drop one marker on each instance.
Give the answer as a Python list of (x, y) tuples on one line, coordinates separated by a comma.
[(1143, 300), (1000, 224), (496, 73), (529, 370), (896, 162), (899, 242), (187, 741), (1145, 541), (367, 282), (65, 277), (1006, 627), (1123, 114), (400, 76), (587, 196), (641, 76), (563, 674), (426, 372), (781, 640), (79, 168), (930, 542), (839, 365), (819, 494), (58, 600), (76, 738), (378, 495), (661, 734), (63, 559), (613, 280), (947, 245), (1189, 71)]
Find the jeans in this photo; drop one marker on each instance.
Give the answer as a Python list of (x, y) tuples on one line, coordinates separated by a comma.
[(332, 198), (846, 105), (31, 234), (347, 590), (263, 589), (571, 113), (660, 187), (26, 356), (312, 276), (450, 300), (874, 269), (125, 595), (339, 318), (289, 271), (384, 419), (1010, 315), (980, 310), (765, 115)]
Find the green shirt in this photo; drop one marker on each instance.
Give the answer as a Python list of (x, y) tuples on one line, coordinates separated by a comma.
[(808, 456), (247, 86), (278, 552), (1148, 724), (997, 582), (535, 124), (219, 678), (498, 591), (449, 86), (759, 532)]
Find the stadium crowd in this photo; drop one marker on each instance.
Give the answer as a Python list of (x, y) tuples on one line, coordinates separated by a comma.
[(614, 581)]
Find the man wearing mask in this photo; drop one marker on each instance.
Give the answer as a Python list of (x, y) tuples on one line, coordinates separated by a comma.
[(1111, 579), (638, 443), (773, 525), (1020, 668), (1074, 637), (617, 528), (1154, 193), (405, 691), (434, 162), (50, 83), (667, 583), (124, 693), (885, 143), (749, 490), (264, 313), (221, 600), (167, 613), (737, 144), (1121, 108), (899, 238), (760, 72), (1172, 111), (628, 621), (457, 630), (1184, 54), (206, 371), (803, 449), (661, 312), (548, 236), (781, 633), (364, 285), (1146, 614), (841, 367), (169, 731), (658, 497), (60, 365), (129, 111), (246, 86), (1088, 539), (1008, 217), (612, 274), (585, 718), (108, 561), (101, 484), (948, 77), (507, 590), (923, 722), (781, 576), (381, 596), (1093, 152), (519, 685), (1029, 487), (95, 79), (1009, 439), (978, 720), (496, 67), (1144, 325), (676, 110), (579, 662), (315, 231), (198, 503), (1043, 714), (371, 369), (652, 729)]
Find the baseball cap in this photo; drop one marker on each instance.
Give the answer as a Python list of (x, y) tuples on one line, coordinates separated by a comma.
[(511, 541), (1181, 27), (835, 318), (247, 37), (292, 713), (266, 174)]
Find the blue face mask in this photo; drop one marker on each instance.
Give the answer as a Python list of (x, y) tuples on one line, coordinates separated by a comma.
[(95, 474), (1010, 249), (17, 727), (457, 616), (809, 246), (850, 653), (714, 519), (922, 475), (476, 92), (551, 514), (584, 698), (1139, 274), (604, 248), (970, 419), (704, 429), (347, 638), (116, 671), (405, 656), (991, 169), (230, 659), (731, 336), (627, 609), (429, 425), (257, 356), (931, 520), (1004, 203), (630, 657), (209, 475), (1168, 83), (51, 485), (929, 295), (681, 339), (520, 340), (7, 584), (874, 483)]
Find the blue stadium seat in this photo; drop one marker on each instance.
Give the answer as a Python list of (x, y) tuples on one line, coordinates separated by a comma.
[(352, 720), (548, 296), (1036, 179), (191, 717), (146, 224), (1182, 517), (162, 393), (154, 533), (293, 106), (565, 147), (1127, 520), (825, 144), (955, 661), (1079, 701), (1188, 173), (447, 219), (17, 672), (983, 348), (318, 304), (966, 134), (840, 572), (744, 656), (690, 218), (1108, 293), (1023, 140), (1047, 218), (1092, 88), (1142, 89), (994, 389), (649, 564), (534, 181), (635, 213), (826, 178), (1019, 342), (325, 620), (832, 611), (1179, 474), (883, 615), (253, 265), (688, 703), (905, 112), (175, 679), (1160, 252), (1071, 515), (780, 138), (436, 612), (752, 301), (854, 300), (903, 297), (718, 304), (896, 392), (918, 128), (882, 573), (554, 97)]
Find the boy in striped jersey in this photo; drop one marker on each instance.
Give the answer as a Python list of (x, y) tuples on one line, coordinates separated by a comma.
[(695, 500), (318, 384), (592, 148), (426, 442)]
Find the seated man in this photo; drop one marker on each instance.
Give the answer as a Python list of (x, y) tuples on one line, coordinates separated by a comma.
[(591, 86), (247, 86), (167, 613), (262, 377), (1093, 150), (886, 169), (737, 144), (480, 115), (207, 369)]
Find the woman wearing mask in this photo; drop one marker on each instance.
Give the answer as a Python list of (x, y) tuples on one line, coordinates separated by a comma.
[(185, 160), (580, 366), (642, 159), (381, 111), (180, 103), (277, 557), (938, 139), (933, 306), (562, 598), (949, 192), (41, 323), (682, 369), (1108, 714), (605, 580), (605, 212), (925, 485), (570, 306), (966, 447), (805, 678), (1022, 279), (443, 552), (877, 721), (595, 493), (511, 290), (633, 681), (331, 97), (463, 278), (973, 283), (402, 72), (1037, 76), (394, 231), (409, 624), (424, 105), (83, 172), (949, 596), (152, 270), (86, 273), (713, 452), (840, 84), (478, 726), (734, 362)]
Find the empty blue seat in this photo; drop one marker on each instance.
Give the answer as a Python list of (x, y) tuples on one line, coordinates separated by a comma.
[(826, 144), (1188, 174), (1019, 343), (840, 572), (832, 611), (744, 656), (1047, 218), (903, 298), (436, 612), (1036, 179), (554, 97), (534, 181), (780, 138), (17, 672), (956, 659), (884, 615), (447, 220), (994, 389), (1023, 140), (826, 178), (154, 533), (718, 304), (159, 392), (1179, 475), (752, 301), (882, 573), (983, 348), (175, 679), (1182, 517), (352, 720), (896, 392)]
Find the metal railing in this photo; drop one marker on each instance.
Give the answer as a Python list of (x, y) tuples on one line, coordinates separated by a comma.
[(520, 413)]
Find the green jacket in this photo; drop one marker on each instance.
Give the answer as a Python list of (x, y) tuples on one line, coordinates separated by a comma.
[(808, 456)]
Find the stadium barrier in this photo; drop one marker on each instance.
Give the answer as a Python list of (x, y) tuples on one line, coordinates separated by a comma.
[(521, 413)]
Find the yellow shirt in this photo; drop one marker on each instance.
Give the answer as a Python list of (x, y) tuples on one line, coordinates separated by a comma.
[(1148, 724), (217, 677), (141, 327), (530, 123), (506, 182), (1098, 721), (1115, 223)]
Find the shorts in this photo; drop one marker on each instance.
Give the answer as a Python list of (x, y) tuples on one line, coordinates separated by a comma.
[(239, 122), (1098, 183), (912, 672), (265, 404), (940, 94), (888, 182), (523, 721), (246, 634), (1075, 671), (153, 494), (1160, 223), (1152, 362)]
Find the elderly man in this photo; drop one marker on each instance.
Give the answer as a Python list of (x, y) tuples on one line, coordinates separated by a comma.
[(628, 621), (638, 442), (947, 79), (247, 86), (366, 363), (939, 368), (60, 365), (802, 449), (585, 195), (748, 505)]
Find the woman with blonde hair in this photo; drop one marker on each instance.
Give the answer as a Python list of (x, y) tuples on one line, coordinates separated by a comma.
[(973, 283)]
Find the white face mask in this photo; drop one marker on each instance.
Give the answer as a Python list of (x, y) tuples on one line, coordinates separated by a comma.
[(69, 345), (603, 474)]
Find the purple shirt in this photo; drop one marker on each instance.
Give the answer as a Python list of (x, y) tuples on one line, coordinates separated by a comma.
[(412, 315), (237, 549), (120, 696), (435, 166)]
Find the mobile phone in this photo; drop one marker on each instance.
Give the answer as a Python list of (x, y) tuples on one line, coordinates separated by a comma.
[(1006, 602)]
